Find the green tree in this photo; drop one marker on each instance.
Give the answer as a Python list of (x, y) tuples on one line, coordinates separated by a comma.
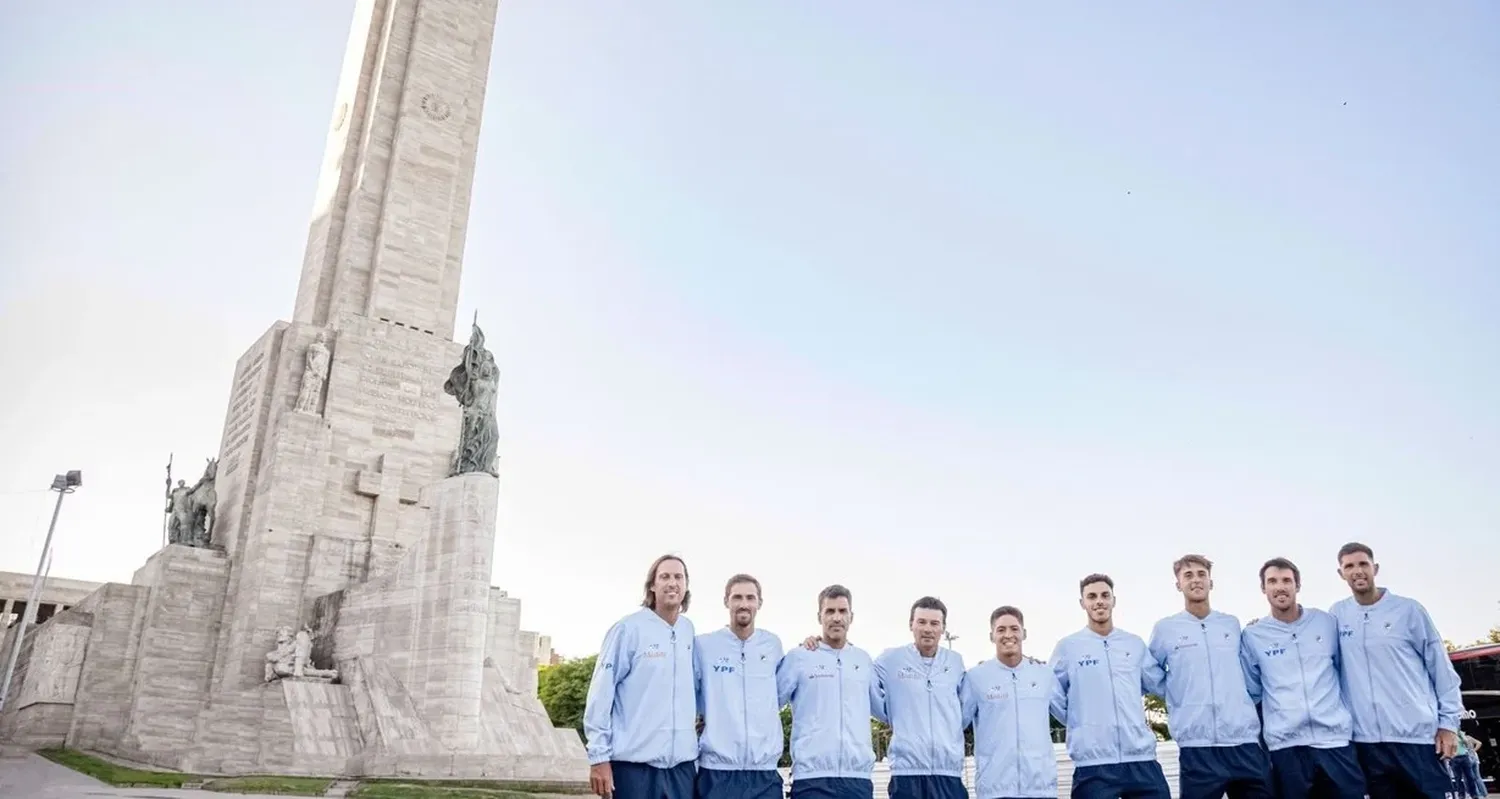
[(1156, 716), (564, 689)]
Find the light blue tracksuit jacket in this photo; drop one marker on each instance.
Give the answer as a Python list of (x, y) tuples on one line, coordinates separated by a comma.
[(1292, 670), (641, 706), (1013, 754), (1204, 683), (1103, 680), (1396, 676), (832, 693), (738, 702), (921, 700)]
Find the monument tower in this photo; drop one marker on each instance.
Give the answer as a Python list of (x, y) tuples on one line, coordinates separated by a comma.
[(340, 619)]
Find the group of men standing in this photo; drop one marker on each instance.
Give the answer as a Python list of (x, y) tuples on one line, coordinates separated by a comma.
[(1358, 701)]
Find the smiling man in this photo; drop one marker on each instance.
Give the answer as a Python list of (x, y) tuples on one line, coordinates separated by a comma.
[(919, 694), (735, 666), (831, 689), (1105, 673), (1009, 700), (641, 707), (1401, 688), (1291, 659), (1209, 710)]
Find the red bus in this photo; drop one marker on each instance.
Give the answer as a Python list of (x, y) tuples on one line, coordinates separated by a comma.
[(1479, 678)]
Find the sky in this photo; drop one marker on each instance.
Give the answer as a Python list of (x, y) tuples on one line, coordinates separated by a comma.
[(967, 301)]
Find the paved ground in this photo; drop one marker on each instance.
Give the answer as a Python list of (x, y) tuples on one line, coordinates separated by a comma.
[(27, 776)]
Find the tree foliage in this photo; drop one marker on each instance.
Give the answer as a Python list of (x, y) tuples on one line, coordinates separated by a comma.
[(564, 689), (1493, 637), (1156, 716)]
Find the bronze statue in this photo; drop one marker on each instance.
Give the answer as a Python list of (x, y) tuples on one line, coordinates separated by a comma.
[(474, 383), (191, 510)]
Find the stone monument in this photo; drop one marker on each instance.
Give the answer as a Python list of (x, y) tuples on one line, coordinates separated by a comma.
[(354, 497)]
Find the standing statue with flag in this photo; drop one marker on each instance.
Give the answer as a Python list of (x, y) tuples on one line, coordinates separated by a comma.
[(474, 383)]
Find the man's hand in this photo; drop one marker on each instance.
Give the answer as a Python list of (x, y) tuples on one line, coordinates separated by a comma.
[(811, 642), (1447, 744), (602, 780)]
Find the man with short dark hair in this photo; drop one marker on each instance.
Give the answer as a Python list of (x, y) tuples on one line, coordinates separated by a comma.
[(640, 712), (832, 691), (1401, 688), (1291, 663), (735, 667), (1104, 673), (919, 687), (1209, 710), (1008, 701)]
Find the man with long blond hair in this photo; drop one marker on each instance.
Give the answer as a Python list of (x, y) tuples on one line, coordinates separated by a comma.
[(641, 708)]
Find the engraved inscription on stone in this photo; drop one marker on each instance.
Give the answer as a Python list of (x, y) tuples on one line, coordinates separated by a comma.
[(388, 387), (242, 412)]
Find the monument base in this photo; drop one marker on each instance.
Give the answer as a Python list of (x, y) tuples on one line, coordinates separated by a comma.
[(428, 659)]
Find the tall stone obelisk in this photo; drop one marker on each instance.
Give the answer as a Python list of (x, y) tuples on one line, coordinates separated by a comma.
[(312, 501), (319, 475)]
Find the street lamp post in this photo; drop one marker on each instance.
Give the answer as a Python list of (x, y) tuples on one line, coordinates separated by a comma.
[(949, 638), (63, 484)]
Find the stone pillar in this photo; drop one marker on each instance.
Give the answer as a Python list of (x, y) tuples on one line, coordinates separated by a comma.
[(428, 622)]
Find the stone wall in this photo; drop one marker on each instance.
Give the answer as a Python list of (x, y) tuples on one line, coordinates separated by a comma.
[(174, 658), (107, 679), (39, 709)]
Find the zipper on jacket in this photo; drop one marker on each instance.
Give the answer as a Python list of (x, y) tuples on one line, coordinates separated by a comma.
[(1015, 696), (674, 697), (1114, 700), (745, 701), (931, 738), (1306, 698), (1364, 640), (839, 661), (1213, 693)]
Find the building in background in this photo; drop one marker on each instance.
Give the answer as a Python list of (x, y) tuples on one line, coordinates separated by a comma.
[(58, 594)]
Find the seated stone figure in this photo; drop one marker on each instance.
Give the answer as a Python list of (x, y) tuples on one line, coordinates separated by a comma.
[(292, 658)]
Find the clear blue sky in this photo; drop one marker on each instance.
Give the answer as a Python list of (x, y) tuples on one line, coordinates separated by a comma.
[(969, 301)]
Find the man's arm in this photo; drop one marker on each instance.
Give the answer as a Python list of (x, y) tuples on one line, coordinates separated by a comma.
[(877, 691), (968, 698), (598, 709), (1154, 664), (1250, 665), (1059, 703), (698, 679), (1440, 671), (786, 677)]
